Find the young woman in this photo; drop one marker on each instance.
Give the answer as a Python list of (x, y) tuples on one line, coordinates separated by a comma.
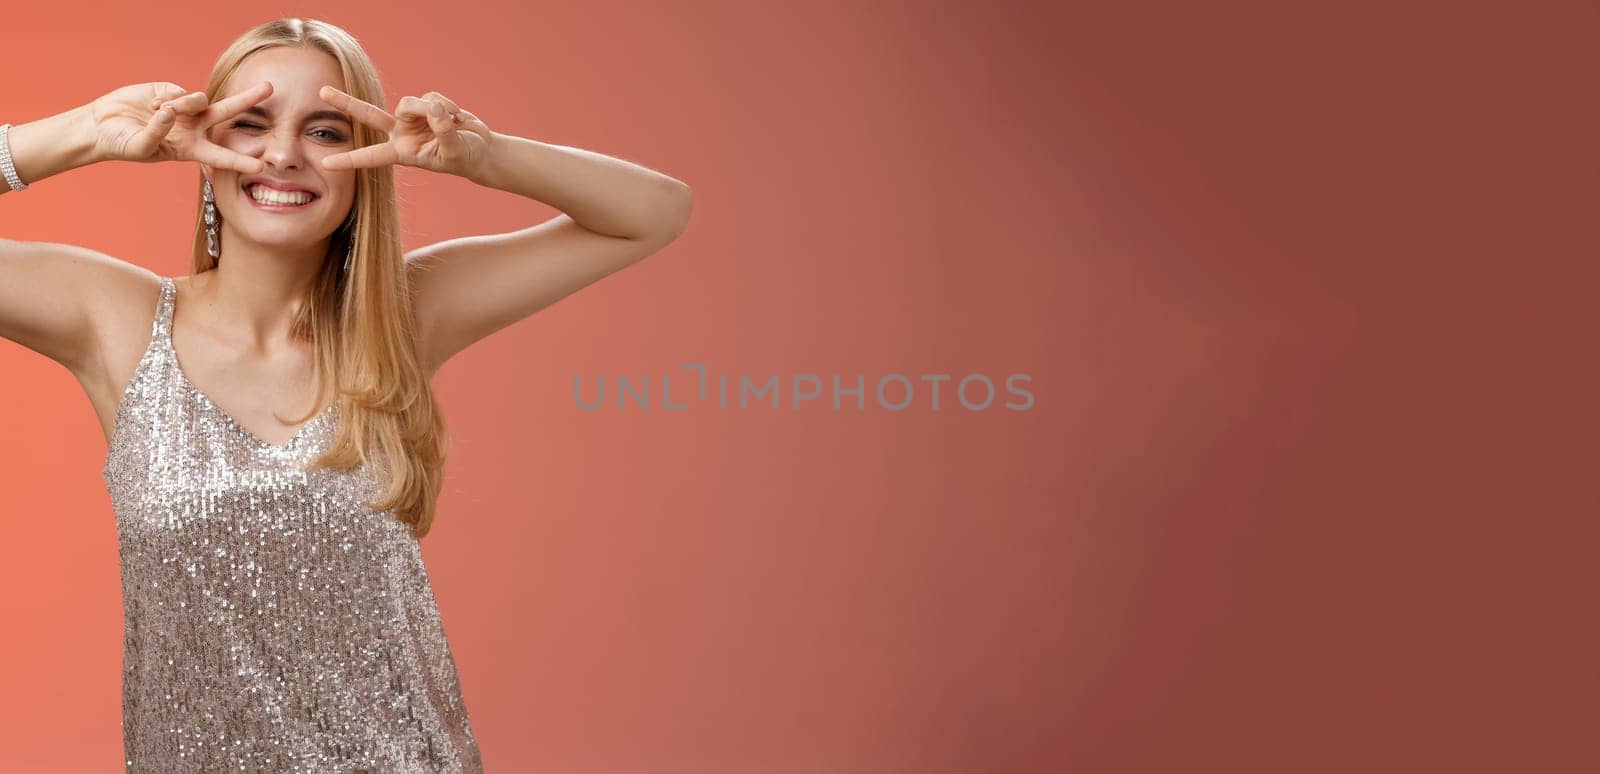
[(278, 614)]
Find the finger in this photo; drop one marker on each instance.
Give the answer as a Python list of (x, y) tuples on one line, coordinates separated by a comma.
[(365, 112), (145, 140), (193, 102), (381, 154), (207, 152), (377, 155), (440, 121), (412, 108), (457, 115), (449, 105), (163, 92), (224, 109)]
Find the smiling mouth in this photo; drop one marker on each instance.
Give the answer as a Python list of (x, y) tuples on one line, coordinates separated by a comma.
[(278, 200)]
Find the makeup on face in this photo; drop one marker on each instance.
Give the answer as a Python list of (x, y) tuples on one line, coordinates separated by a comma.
[(272, 194), (275, 195)]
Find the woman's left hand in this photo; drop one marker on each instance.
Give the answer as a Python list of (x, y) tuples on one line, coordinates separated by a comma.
[(430, 132)]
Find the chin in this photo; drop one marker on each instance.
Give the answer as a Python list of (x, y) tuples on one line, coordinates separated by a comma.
[(283, 239)]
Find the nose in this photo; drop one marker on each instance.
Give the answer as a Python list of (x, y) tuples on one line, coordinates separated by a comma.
[(283, 150)]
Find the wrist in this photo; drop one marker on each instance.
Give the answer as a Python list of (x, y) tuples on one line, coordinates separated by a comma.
[(52, 145), (482, 172), (85, 137)]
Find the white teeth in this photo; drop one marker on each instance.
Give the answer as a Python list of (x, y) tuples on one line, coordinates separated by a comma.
[(267, 195)]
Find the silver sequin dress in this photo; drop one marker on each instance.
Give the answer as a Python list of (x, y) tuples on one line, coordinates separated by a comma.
[(272, 621)]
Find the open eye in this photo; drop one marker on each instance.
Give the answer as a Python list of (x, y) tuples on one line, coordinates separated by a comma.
[(329, 135)]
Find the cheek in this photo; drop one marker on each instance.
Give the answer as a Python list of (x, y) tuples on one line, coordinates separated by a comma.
[(230, 140), (223, 182)]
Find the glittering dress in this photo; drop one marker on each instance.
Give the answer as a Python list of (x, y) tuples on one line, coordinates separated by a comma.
[(272, 621)]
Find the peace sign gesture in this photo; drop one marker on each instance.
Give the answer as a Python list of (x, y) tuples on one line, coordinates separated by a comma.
[(430, 132), (150, 122)]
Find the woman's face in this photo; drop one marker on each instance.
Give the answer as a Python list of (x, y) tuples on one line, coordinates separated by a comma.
[(291, 131)]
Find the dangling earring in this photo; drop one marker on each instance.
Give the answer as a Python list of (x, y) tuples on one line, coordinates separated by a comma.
[(211, 221)]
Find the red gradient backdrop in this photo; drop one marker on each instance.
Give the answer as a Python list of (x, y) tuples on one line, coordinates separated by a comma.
[(1304, 290)]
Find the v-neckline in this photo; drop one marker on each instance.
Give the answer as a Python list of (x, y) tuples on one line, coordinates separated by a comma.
[(248, 435)]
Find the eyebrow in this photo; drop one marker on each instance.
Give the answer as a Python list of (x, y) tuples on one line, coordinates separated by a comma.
[(331, 115)]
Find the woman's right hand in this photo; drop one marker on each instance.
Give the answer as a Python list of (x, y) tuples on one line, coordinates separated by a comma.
[(150, 122)]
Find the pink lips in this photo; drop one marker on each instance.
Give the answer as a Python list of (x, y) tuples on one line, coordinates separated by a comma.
[(277, 207), (280, 185)]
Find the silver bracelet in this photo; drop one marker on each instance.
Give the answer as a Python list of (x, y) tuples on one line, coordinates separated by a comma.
[(5, 160)]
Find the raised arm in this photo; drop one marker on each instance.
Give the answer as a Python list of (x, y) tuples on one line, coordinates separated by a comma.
[(614, 213), (46, 290), (50, 293)]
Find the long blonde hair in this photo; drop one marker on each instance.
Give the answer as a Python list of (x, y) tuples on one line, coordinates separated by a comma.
[(361, 325)]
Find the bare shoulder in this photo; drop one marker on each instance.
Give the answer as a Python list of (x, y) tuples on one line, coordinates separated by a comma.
[(122, 301), (61, 300), (123, 297), (88, 311)]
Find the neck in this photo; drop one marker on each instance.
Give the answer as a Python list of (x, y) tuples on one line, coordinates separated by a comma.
[(255, 293)]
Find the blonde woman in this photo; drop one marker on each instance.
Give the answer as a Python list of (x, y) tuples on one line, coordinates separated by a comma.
[(274, 448)]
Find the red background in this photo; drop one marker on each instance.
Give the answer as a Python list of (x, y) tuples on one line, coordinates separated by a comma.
[(1305, 290)]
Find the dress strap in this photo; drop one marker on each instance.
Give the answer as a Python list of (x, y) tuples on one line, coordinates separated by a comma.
[(161, 329)]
